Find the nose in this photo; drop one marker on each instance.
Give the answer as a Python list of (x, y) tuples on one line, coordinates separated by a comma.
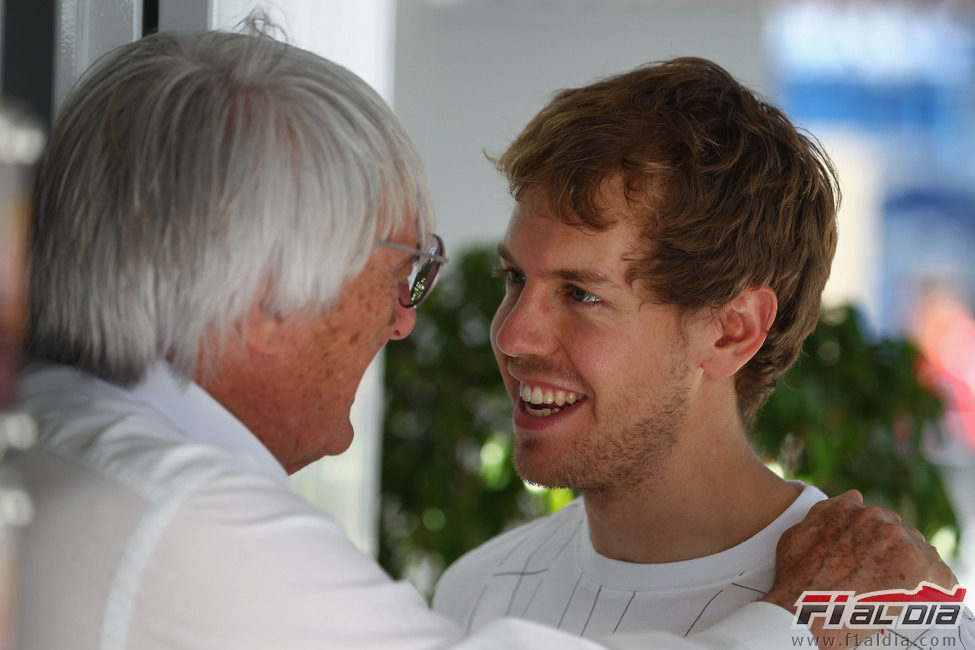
[(523, 327), (404, 321)]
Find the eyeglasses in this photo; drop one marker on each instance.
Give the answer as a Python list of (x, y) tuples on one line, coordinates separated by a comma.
[(426, 266)]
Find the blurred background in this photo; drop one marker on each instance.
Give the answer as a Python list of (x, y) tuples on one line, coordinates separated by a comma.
[(882, 399)]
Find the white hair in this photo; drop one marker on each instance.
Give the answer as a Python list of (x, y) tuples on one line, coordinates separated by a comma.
[(187, 176)]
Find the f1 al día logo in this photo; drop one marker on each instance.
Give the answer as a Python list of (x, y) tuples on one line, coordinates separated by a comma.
[(928, 606)]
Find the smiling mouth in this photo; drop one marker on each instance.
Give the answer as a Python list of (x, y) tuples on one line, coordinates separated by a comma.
[(543, 402)]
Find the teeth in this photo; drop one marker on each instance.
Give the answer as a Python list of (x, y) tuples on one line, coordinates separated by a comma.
[(537, 396), (540, 413)]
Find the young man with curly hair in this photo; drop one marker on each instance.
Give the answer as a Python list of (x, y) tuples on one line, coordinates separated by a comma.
[(664, 262)]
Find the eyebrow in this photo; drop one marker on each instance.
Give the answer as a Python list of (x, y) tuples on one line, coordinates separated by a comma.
[(576, 276)]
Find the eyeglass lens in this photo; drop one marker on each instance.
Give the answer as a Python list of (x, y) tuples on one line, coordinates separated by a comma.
[(424, 275)]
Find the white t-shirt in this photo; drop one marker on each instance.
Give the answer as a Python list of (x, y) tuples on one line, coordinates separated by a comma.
[(548, 571), (162, 523)]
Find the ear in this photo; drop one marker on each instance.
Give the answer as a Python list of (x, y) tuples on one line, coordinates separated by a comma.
[(261, 331), (740, 329), (251, 340)]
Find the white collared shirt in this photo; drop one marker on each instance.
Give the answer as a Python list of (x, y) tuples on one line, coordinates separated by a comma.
[(162, 522)]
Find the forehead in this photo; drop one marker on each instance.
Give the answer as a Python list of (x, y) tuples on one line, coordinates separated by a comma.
[(538, 239)]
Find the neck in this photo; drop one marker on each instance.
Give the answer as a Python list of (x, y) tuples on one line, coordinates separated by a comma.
[(710, 495)]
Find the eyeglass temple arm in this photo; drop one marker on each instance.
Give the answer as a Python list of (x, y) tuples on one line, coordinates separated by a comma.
[(414, 251)]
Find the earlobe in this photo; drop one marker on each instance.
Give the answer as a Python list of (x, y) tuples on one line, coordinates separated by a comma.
[(740, 329)]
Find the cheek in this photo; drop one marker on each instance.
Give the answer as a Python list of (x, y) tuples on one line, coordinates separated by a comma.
[(375, 320)]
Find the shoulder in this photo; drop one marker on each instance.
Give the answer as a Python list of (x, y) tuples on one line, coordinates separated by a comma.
[(266, 569), (127, 452), (515, 550), (809, 496), (136, 477), (113, 436), (236, 519)]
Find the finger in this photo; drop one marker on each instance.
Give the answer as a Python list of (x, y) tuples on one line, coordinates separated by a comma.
[(887, 514), (836, 508), (835, 503), (915, 534), (872, 516), (852, 495)]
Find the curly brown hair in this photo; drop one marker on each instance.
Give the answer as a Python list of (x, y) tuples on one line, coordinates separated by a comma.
[(727, 193)]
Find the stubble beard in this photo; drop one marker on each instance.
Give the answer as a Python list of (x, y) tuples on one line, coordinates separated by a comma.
[(620, 455)]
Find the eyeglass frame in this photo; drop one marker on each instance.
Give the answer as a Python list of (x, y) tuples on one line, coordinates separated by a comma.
[(436, 257)]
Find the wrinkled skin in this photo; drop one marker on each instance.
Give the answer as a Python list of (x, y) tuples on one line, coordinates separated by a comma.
[(845, 545)]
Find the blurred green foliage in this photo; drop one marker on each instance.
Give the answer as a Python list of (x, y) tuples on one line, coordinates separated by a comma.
[(850, 413)]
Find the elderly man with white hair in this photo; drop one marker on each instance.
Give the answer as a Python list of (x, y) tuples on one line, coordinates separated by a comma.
[(228, 229)]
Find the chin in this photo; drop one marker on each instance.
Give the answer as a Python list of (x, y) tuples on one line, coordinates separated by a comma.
[(339, 441), (340, 449), (558, 468), (333, 442), (538, 468)]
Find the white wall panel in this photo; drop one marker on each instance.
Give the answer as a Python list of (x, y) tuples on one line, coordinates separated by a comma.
[(471, 73), (87, 29)]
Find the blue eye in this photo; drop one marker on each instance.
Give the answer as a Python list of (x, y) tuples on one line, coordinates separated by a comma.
[(580, 295)]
